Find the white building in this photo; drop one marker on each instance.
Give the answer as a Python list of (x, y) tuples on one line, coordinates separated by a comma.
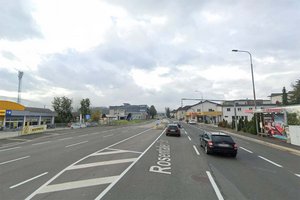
[(244, 109), (206, 111)]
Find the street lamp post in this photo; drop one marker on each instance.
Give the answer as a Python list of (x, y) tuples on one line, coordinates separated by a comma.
[(253, 86)]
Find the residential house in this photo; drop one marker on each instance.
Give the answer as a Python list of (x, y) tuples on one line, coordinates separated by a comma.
[(129, 112)]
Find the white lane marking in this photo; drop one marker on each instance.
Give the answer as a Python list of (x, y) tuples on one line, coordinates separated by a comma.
[(110, 162), (78, 184), (297, 175), (195, 148), (185, 132), (270, 161), (126, 170), (94, 133), (67, 138), (108, 153), (41, 143), (83, 135), (189, 138), (213, 183), (11, 187), (71, 145), (14, 160), (9, 149), (125, 150), (62, 171), (108, 135), (246, 150)]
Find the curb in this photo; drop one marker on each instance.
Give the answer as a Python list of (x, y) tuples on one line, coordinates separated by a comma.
[(293, 151)]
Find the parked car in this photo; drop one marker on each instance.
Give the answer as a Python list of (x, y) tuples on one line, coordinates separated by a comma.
[(192, 121), (173, 129), (77, 125), (216, 142)]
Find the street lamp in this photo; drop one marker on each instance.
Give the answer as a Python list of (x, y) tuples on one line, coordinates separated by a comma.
[(253, 86)]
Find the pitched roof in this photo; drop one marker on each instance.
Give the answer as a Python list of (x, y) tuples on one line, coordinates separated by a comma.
[(38, 110)]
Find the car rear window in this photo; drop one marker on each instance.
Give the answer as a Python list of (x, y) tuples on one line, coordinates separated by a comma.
[(222, 138), (172, 127)]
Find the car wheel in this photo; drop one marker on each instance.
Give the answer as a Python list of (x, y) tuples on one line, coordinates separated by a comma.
[(167, 134), (206, 150), (233, 155)]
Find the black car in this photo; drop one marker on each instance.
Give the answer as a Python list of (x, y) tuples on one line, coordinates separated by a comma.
[(215, 142), (173, 129)]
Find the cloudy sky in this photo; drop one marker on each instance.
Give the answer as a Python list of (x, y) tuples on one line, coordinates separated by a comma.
[(151, 52)]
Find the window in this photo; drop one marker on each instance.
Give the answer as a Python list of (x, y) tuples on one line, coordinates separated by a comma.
[(228, 109), (250, 108), (239, 109), (198, 110), (210, 110), (226, 116)]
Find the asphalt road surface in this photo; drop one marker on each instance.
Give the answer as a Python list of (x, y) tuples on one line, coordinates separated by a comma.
[(141, 162)]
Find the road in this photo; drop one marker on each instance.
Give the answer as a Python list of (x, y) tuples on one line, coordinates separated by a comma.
[(140, 162)]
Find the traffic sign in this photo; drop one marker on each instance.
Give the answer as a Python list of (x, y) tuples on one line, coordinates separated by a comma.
[(8, 112)]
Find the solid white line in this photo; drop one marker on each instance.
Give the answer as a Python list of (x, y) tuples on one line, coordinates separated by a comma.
[(108, 135), (9, 149), (67, 138), (71, 145), (189, 138), (297, 175), (11, 187), (270, 161), (195, 148), (78, 184), (108, 153), (62, 171), (14, 160), (110, 162), (126, 170), (246, 150), (213, 183), (41, 143), (83, 135)]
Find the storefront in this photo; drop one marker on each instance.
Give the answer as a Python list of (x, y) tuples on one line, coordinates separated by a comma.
[(14, 116)]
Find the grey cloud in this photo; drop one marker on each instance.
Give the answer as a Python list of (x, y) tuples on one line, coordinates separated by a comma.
[(9, 55), (16, 21)]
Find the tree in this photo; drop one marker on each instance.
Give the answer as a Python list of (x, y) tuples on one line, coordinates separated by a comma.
[(85, 107), (168, 112), (284, 97), (96, 116), (295, 97), (152, 111), (63, 108)]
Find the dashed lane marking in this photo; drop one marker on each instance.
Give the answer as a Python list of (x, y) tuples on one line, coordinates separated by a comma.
[(297, 175), (14, 160), (214, 185), (67, 138), (246, 150), (71, 145), (9, 149), (189, 138), (108, 135), (78, 184), (41, 143), (195, 148), (270, 161), (110, 162)]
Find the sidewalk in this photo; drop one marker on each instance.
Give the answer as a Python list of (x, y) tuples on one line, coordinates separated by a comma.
[(5, 135), (269, 141)]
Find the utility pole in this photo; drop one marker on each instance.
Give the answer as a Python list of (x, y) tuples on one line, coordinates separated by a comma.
[(20, 75)]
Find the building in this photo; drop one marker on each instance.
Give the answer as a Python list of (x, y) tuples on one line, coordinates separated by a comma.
[(16, 116), (129, 112), (205, 111), (276, 98), (180, 112), (243, 108)]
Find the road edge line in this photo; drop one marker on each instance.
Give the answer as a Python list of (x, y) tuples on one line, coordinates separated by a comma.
[(214, 185)]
